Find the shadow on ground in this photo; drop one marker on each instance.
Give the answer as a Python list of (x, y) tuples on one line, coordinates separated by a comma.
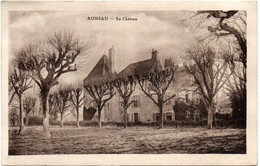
[(133, 140)]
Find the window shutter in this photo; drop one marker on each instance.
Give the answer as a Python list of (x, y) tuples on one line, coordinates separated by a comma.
[(139, 100), (128, 117)]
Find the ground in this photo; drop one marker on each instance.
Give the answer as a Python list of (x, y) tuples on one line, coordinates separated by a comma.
[(133, 140)]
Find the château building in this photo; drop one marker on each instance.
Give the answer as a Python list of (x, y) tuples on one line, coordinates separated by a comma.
[(142, 108)]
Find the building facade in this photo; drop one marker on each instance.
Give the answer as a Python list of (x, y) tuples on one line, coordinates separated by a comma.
[(142, 108)]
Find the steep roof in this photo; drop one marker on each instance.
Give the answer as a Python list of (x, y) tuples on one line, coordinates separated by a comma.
[(142, 67), (100, 73), (101, 68)]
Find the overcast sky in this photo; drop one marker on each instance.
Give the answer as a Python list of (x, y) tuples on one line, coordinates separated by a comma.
[(132, 40)]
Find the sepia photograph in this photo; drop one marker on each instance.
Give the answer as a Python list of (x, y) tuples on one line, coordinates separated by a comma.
[(129, 82)]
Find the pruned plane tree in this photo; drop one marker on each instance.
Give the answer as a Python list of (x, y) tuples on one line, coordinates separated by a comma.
[(48, 60), (100, 94), (125, 87), (156, 83)]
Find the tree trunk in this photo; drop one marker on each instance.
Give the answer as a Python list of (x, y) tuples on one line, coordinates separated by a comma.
[(210, 116), (61, 120), (99, 118), (215, 121), (26, 120), (77, 117), (21, 125), (13, 123), (45, 110), (99, 122), (161, 115), (125, 117), (46, 129)]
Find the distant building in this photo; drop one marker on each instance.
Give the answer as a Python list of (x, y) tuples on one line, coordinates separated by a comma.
[(142, 109)]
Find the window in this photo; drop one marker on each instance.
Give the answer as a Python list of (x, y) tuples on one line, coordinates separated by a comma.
[(195, 98), (196, 115), (187, 115), (135, 117), (136, 101), (168, 116), (156, 117)]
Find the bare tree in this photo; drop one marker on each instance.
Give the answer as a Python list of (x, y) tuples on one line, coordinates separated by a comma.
[(155, 85), (230, 26), (100, 95), (228, 23), (29, 106), (48, 61), (209, 74), (62, 98), (13, 117), (20, 81), (77, 99), (125, 88), (236, 89)]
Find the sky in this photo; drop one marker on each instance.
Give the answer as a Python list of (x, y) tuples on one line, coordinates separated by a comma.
[(132, 40)]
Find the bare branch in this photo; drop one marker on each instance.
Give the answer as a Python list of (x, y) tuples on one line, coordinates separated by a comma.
[(169, 98)]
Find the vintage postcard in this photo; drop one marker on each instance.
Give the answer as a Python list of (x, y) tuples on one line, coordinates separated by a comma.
[(129, 83)]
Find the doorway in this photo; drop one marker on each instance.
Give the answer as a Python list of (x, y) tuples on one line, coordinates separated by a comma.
[(135, 117)]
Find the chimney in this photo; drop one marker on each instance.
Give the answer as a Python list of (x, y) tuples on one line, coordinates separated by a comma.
[(112, 59), (154, 54)]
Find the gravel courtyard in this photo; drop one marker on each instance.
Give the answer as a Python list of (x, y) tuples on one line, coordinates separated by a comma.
[(133, 140)]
